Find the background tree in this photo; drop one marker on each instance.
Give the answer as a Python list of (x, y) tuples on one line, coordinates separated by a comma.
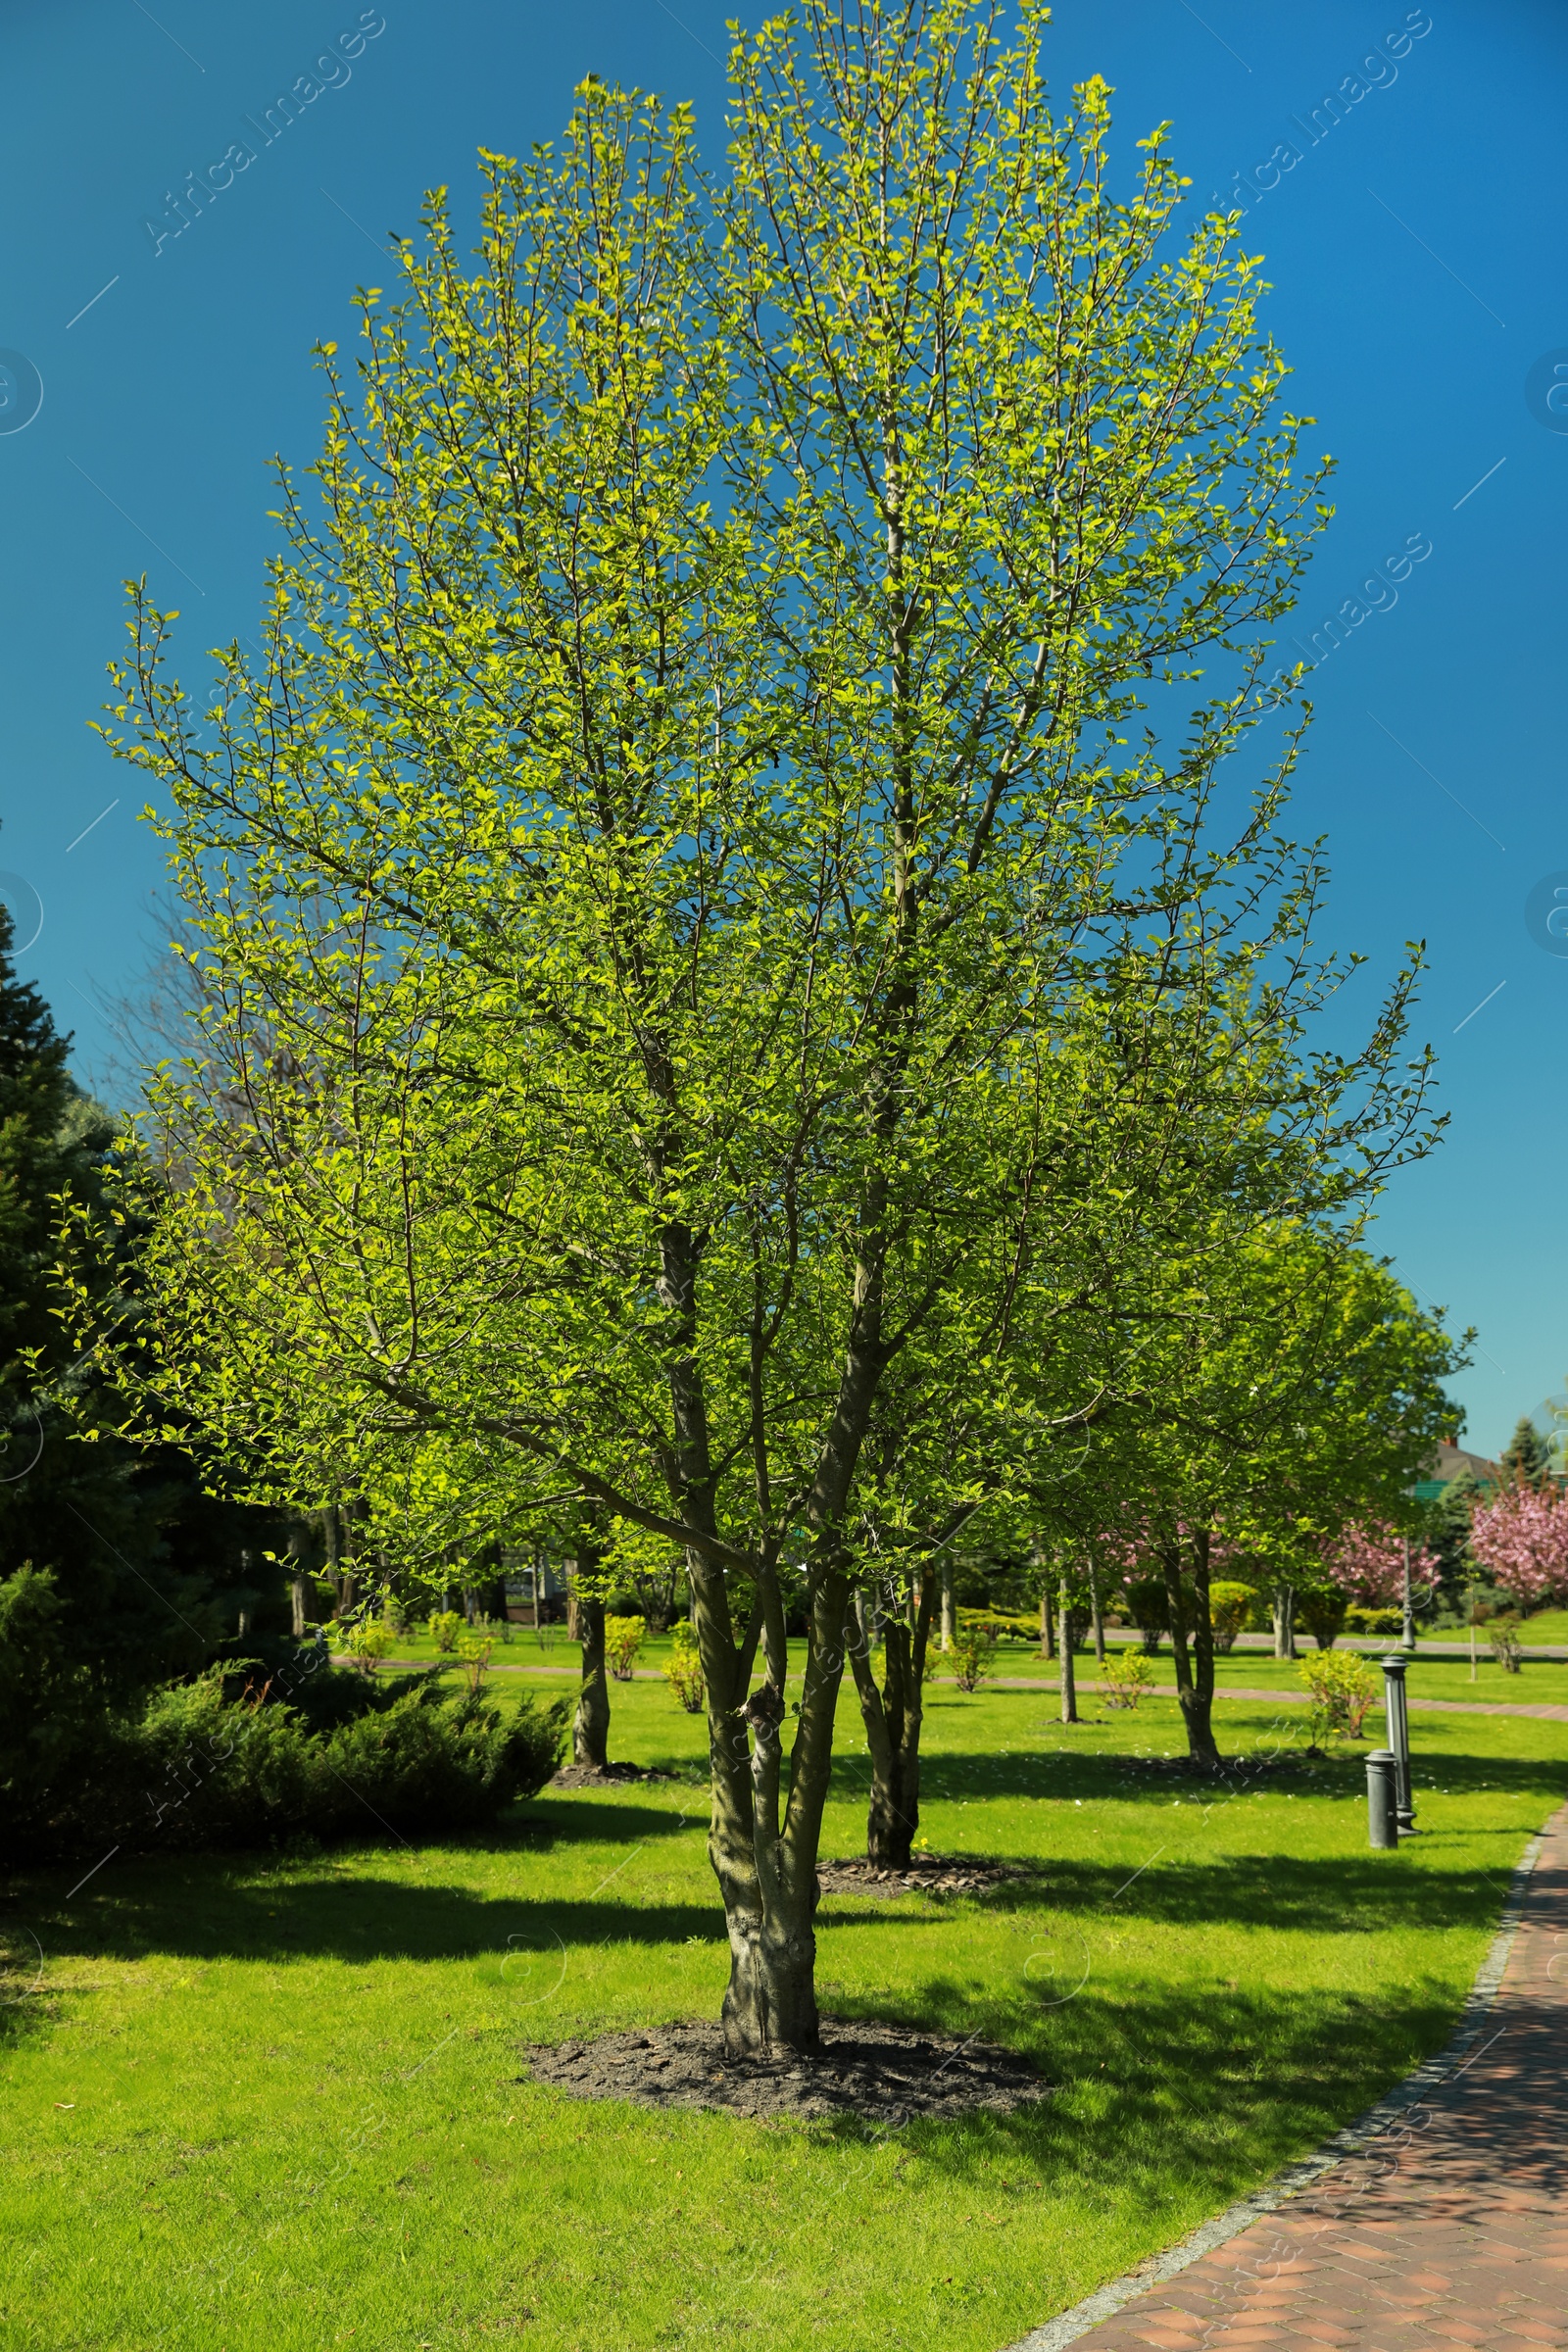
[(1520, 1540), (1527, 1458), (116, 1568)]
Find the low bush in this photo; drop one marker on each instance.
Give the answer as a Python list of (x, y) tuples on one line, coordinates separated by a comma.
[(1504, 1635), (624, 1639), (1125, 1677), (1001, 1624), (971, 1653), (444, 1627), (1343, 1687), (473, 1655), (1323, 1614), (1359, 1619), (1230, 1606), (684, 1673), (344, 1757), (368, 1642), (1148, 1604)]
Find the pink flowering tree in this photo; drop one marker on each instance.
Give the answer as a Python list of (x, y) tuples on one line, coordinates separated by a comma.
[(1367, 1563), (1521, 1540)]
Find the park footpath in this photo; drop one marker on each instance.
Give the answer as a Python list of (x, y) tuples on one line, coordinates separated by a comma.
[(1436, 2224)]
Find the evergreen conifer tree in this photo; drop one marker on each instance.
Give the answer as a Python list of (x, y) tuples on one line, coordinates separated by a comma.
[(113, 1562), (1527, 1459)]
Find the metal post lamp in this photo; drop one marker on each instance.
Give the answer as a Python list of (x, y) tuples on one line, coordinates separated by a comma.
[(1398, 1720)]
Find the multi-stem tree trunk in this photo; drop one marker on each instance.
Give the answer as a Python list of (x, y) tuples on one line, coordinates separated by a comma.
[(590, 1728), (892, 1717), (1195, 1668), (765, 1863)]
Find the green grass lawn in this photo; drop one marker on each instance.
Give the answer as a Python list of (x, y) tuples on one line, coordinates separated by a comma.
[(1547, 1624), (1430, 1677), (275, 2101)]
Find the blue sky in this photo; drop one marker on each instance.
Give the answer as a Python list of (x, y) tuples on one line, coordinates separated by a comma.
[(1415, 239)]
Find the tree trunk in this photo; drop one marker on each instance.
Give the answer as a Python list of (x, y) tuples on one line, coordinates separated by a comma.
[(295, 1544), (767, 1869), (1096, 1617), (590, 1730), (891, 1719), (1048, 1646), (1284, 1622), (339, 1555), (1070, 1687), (948, 1615), (1196, 1698)]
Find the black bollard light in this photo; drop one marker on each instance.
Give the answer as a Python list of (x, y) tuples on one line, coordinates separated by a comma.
[(1398, 1722), (1382, 1823)]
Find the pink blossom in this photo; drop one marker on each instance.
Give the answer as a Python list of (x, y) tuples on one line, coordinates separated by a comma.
[(1521, 1540), (1367, 1563)]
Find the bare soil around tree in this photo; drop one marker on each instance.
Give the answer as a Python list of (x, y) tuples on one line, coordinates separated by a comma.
[(927, 1874), (883, 2074)]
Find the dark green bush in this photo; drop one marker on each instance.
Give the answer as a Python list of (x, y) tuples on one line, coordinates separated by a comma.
[(200, 1767), (1323, 1613), (1148, 1604)]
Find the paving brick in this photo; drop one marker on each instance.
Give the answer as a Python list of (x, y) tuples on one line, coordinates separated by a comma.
[(1448, 2235)]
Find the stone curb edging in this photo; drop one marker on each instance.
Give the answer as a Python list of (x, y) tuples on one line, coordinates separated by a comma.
[(1352, 2140)]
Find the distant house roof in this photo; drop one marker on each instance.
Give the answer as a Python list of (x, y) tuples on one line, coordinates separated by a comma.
[(1452, 1462)]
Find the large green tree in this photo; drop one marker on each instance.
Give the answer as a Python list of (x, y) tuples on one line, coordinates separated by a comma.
[(646, 891)]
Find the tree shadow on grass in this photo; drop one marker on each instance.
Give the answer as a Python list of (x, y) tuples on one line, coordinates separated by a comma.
[(1149, 1780), (218, 1916), (1205, 2091), (1355, 1893)]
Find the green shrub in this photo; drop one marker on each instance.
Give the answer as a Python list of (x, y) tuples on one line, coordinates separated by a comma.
[(1323, 1614), (1149, 1605), (684, 1673), (198, 1768), (972, 1654), (473, 1655), (1343, 1687), (1230, 1606), (624, 1639), (1504, 1635), (368, 1642), (1361, 1620), (1002, 1624), (1124, 1678), (444, 1627)]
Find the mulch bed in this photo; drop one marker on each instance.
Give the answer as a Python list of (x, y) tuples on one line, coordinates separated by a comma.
[(604, 1776), (888, 2074), (927, 1874)]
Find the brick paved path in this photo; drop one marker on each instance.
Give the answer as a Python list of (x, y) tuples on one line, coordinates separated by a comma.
[(1448, 2230)]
